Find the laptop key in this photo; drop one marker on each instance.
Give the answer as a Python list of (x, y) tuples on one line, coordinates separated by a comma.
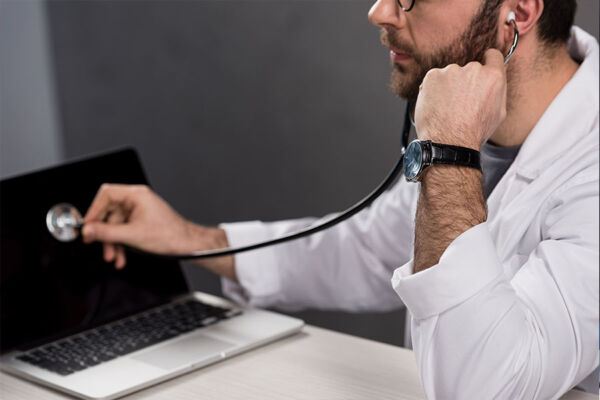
[(39, 354), (106, 357), (28, 358)]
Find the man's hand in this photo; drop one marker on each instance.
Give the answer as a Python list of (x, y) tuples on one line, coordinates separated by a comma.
[(463, 106), (135, 216)]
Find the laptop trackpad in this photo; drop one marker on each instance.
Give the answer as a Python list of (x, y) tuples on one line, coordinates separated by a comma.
[(185, 351)]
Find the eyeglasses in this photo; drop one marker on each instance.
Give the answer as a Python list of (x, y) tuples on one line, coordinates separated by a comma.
[(406, 5)]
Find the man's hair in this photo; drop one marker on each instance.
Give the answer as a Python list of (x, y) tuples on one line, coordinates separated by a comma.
[(554, 25), (556, 20)]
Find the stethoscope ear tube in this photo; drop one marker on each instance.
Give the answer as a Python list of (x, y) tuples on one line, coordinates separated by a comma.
[(513, 47)]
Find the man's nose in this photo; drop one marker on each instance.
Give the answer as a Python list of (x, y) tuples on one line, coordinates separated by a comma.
[(387, 14)]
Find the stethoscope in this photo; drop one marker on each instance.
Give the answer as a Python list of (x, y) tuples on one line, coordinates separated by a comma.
[(64, 221)]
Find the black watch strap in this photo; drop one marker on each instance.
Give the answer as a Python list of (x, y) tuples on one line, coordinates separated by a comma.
[(455, 155)]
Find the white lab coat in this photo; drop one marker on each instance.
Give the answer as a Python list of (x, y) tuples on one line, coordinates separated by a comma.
[(511, 310)]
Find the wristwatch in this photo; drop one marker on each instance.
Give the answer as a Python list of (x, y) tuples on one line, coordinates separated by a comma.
[(420, 154)]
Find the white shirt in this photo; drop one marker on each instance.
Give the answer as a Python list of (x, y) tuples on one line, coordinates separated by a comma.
[(511, 309)]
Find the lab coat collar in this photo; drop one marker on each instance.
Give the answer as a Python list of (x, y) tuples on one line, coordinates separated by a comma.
[(571, 114)]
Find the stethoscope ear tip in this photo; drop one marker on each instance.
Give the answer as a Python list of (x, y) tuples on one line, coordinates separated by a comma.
[(511, 17)]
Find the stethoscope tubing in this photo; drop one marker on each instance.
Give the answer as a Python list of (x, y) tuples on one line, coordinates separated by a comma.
[(362, 204)]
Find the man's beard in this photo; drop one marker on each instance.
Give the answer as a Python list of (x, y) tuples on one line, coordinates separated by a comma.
[(470, 46)]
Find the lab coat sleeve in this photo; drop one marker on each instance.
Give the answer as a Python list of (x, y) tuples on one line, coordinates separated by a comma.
[(346, 267), (479, 335)]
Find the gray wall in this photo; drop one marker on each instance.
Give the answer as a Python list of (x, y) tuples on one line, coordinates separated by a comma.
[(29, 128), (239, 109)]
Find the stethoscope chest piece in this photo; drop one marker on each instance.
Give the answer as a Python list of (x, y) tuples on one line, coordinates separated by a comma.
[(64, 221)]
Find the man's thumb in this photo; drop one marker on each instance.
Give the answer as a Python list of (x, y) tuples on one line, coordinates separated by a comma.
[(493, 57), (106, 233)]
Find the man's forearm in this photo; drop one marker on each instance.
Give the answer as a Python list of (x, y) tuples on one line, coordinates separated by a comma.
[(212, 239), (450, 202)]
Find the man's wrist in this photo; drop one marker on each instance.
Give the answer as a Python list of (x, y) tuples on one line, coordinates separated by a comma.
[(439, 177), (456, 138), (209, 238)]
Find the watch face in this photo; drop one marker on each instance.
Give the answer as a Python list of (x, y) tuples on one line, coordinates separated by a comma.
[(413, 159)]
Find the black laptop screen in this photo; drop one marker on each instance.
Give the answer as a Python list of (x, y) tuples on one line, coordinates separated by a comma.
[(48, 288)]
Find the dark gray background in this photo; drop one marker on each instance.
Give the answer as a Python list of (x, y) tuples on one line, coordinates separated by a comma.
[(239, 109)]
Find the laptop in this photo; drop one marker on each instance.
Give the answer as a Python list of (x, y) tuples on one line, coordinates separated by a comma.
[(70, 321)]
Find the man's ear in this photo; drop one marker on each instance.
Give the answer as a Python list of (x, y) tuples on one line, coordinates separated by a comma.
[(527, 13)]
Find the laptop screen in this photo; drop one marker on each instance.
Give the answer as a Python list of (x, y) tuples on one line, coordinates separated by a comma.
[(49, 289)]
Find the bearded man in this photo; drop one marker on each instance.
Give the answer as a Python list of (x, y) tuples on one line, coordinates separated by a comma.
[(496, 262)]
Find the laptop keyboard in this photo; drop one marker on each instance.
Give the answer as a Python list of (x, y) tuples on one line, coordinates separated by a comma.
[(110, 341)]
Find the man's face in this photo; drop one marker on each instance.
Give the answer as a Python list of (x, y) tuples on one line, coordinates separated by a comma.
[(433, 34)]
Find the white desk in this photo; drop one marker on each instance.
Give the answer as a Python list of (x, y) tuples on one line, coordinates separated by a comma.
[(314, 364)]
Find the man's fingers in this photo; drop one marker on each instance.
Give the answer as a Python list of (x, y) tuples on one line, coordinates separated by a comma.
[(107, 197), (120, 259), (493, 57), (107, 233), (109, 252)]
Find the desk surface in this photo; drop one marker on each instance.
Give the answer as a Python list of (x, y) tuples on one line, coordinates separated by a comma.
[(315, 363)]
